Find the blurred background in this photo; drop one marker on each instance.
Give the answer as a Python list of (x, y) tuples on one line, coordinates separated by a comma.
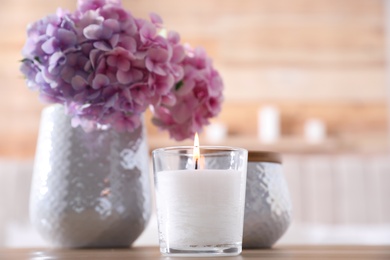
[(309, 79)]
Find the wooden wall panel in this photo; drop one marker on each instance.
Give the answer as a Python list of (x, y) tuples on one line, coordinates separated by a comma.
[(301, 55), (299, 84)]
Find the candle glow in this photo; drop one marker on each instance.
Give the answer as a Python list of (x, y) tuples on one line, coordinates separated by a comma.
[(196, 154)]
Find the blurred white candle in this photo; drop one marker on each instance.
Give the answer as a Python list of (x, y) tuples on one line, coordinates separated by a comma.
[(216, 132), (202, 207), (268, 124), (315, 131)]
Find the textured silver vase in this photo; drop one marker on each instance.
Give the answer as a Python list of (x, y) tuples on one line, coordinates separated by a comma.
[(267, 203), (89, 189)]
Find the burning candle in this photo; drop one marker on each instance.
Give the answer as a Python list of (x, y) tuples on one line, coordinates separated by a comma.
[(196, 151), (200, 195)]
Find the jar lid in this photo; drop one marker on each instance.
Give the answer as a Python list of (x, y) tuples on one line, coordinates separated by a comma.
[(262, 156)]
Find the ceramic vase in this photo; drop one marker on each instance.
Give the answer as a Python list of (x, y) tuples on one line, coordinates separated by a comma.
[(89, 189), (268, 208)]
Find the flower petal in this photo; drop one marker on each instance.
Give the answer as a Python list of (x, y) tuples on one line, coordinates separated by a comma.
[(66, 37), (92, 31), (124, 77), (100, 81), (155, 18), (78, 82), (50, 46), (102, 45)]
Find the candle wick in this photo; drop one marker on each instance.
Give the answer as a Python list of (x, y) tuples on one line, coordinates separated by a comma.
[(196, 163)]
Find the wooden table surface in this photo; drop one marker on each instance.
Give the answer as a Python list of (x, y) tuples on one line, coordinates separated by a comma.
[(281, 252)]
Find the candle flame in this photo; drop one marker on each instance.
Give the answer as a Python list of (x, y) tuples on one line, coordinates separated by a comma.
[(196, 150)]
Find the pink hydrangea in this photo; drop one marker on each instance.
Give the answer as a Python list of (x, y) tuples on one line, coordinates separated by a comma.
[(198, 97)]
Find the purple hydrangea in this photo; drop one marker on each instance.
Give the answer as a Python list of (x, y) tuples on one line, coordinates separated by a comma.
[(107, 67)]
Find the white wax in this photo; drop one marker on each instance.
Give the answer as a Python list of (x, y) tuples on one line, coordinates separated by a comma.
[(200, 207)]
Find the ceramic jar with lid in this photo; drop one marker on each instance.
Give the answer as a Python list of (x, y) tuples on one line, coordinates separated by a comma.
[(267, 204)]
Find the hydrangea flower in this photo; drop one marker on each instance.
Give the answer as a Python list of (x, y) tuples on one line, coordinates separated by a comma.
[(107, 67), (198, 97)]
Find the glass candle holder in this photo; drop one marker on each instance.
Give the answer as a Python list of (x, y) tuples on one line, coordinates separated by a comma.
[(200, 200)]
